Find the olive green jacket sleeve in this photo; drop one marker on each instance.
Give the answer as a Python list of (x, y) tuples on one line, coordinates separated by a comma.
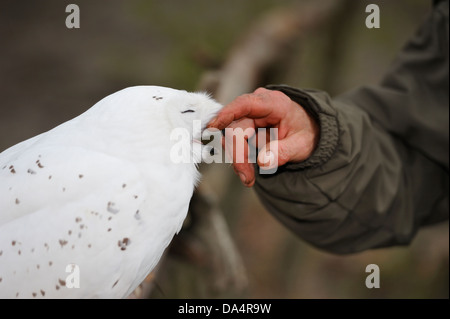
[(380, 170)]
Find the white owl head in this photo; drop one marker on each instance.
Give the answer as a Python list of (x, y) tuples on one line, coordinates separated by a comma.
[(188, 115), (185, 109), (152, 115)]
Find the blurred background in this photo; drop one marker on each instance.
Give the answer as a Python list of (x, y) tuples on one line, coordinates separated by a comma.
[(49, 74)]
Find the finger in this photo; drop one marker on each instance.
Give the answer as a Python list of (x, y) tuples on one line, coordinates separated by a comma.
[(246, 173), (260, 104), (263, 136), (279, 152), (237, 152), (268, 156), (247, 126)]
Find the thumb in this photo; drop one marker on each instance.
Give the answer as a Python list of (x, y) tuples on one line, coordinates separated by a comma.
[(278, 152)]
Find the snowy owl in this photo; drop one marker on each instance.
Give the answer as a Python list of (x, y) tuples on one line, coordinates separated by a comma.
[(87, 208)]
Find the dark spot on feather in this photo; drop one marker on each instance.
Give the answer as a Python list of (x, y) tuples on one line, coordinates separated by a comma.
[(13, 243), (19, 252), (42, 293), (63, 189), (62, 242), (38, 162), (78, 219), (124, 243), (50, 177), (34, 294), (89, 246), (57, 287), (80, 176), (69, 232), (30, 171), (12, 170), (109, 229), (17, 201), (50, 263), (37, 266), (62, 282), (137, 216), (124, 185), (115, 283)]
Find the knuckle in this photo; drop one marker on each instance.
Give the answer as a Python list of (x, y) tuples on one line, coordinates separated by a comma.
[(278, 95), (260, 90)]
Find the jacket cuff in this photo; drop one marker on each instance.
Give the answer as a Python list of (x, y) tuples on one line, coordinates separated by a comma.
[(318, 105)]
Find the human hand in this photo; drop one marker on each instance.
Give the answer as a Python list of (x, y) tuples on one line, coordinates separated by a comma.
[(297, 133)]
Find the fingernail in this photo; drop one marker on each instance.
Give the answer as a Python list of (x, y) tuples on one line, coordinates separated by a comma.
[(212, 122), (266, 159), (243, 178)]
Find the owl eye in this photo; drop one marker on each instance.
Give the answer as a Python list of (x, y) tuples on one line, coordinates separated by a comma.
[(188, 111)]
